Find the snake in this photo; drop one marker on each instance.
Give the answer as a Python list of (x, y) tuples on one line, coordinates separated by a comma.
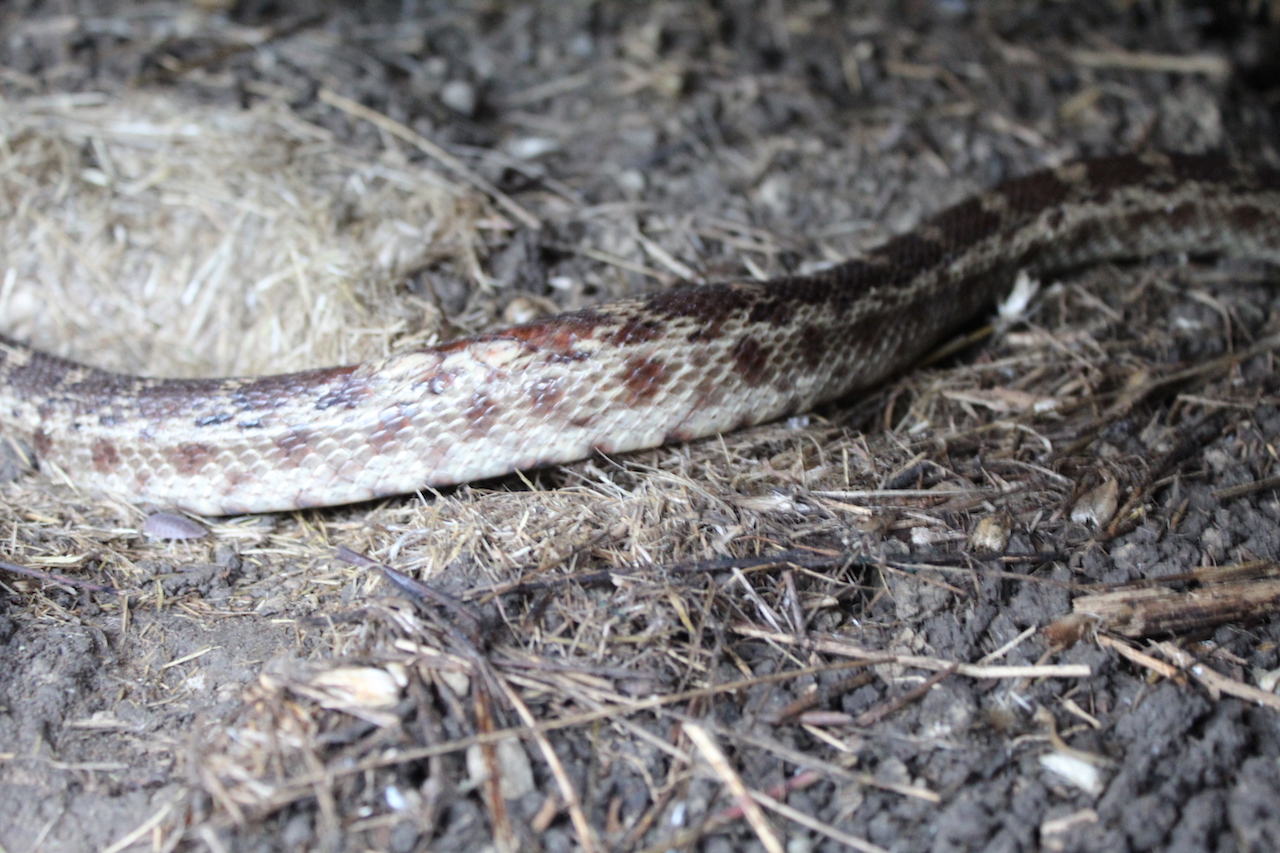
[(684, 363)]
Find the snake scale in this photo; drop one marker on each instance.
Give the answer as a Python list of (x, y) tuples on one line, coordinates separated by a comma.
[(681, 364)]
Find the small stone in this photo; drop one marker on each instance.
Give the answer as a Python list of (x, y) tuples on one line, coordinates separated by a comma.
[(459, 96)]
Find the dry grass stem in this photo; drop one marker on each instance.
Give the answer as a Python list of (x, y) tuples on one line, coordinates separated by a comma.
[(724, 769), (843, 649)]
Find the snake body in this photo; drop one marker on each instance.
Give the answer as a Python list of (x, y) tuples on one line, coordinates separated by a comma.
[(681, 364)]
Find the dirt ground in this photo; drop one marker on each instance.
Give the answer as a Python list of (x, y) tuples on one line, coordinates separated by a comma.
[(852, 630)]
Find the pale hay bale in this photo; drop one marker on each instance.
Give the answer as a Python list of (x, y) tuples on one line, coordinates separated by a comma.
[(138, 233)]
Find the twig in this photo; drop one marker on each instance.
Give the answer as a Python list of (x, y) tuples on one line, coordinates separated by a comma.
[(1160, 612), (720, 763), (874, 715), (504, 837), (1231, 492), (1216, 681), (1140, 658), (1201, 63), (586, 838), (810, 822), (54, 577), (833, 646), (416, 588)]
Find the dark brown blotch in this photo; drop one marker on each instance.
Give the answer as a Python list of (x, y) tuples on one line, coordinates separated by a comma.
[(751, 361), (968, 223), (846, 282), (912, 252), (1107, 173), (1267, 178), (636, 331), (189, 458), (708, 308), (545, 395), (813, 345), (41, 443), (295, 445), (481, 413), (678, 436), (1247, 217), (642, 377), (1036, 192), (1182, 215), (1202, 168), (773, 311), (106, 459)]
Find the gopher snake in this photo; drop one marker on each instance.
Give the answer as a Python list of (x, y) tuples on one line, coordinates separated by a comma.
[(685, 363)]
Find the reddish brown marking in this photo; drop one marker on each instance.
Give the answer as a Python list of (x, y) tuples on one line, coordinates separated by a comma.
[(545, 395), (436, 381), (813, 345), (455, 346), (41, 443), (295, 445), (677, 436), (750, 360), (480, 413), (105, 456), (559, 334), (391, 422), (643, 377), (636, 331), (191, 457)]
